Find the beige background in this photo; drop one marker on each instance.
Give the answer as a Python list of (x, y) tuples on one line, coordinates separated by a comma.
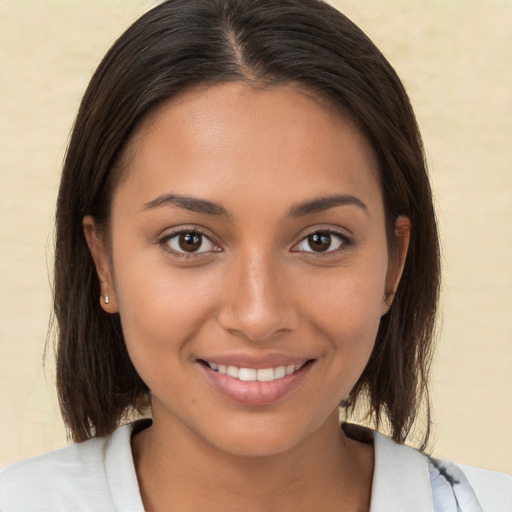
[(455, 58)]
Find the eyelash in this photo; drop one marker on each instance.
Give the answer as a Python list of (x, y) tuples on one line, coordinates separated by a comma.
[(188, 255), (342, 238)]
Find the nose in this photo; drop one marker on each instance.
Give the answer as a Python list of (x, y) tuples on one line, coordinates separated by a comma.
[(259, 302)]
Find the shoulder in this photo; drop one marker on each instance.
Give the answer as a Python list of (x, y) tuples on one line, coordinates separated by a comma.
[(97, 474), (429, 484), (492, 488), (467, 488), (55, 480)]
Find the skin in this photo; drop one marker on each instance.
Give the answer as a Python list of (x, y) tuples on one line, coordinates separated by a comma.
[(256, 287)]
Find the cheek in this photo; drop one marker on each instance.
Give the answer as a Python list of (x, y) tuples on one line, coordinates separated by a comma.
[(347, 312), (160, 308), (351, 297), (351, 322)]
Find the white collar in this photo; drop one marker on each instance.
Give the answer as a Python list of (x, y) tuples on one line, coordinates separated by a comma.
[(401, 479)]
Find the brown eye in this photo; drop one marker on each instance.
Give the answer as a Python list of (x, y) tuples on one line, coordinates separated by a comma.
[(190, 242), (321, 241)]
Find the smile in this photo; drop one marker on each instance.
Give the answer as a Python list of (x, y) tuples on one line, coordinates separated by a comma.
[(256, 386), (255, 374)]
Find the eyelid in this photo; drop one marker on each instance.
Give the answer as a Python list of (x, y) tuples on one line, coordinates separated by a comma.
[(164, 241), (345, 240)]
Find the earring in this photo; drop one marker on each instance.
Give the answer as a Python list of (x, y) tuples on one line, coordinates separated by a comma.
[(106, 299)]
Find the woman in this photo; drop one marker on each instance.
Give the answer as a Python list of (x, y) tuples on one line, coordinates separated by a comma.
[(246, 194)]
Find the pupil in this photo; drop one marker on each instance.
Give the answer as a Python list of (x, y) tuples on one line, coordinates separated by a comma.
[(319, 242), (190, 242)]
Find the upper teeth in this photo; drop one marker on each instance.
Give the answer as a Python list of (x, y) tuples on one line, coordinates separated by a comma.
[(260, 374)]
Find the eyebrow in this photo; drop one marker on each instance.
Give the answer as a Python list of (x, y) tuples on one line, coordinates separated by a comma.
[(210, 208), (188, 203), (325, 203)]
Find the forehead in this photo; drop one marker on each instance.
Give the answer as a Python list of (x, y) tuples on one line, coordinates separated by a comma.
[(231, 139)]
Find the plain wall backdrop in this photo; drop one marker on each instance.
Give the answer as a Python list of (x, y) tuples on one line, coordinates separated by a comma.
[(455, 59)]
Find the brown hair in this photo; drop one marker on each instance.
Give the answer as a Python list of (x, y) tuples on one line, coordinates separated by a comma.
[(182, 43)]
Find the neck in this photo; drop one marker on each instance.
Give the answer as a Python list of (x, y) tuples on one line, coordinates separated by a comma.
[(326, 471)]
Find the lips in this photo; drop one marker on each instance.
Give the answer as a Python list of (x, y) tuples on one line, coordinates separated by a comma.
[(257, 382)]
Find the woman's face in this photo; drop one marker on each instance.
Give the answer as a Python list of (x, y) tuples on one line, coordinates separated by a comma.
[(248, 262)]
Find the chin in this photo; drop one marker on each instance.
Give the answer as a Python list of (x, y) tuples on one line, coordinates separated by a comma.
[(252, 444), (260, 435)]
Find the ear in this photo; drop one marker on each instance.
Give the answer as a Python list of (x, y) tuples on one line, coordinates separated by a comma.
[(397, 260), (96, 242)]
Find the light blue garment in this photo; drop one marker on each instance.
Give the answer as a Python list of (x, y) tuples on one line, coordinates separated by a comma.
[(450, 488), (407, 480)]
